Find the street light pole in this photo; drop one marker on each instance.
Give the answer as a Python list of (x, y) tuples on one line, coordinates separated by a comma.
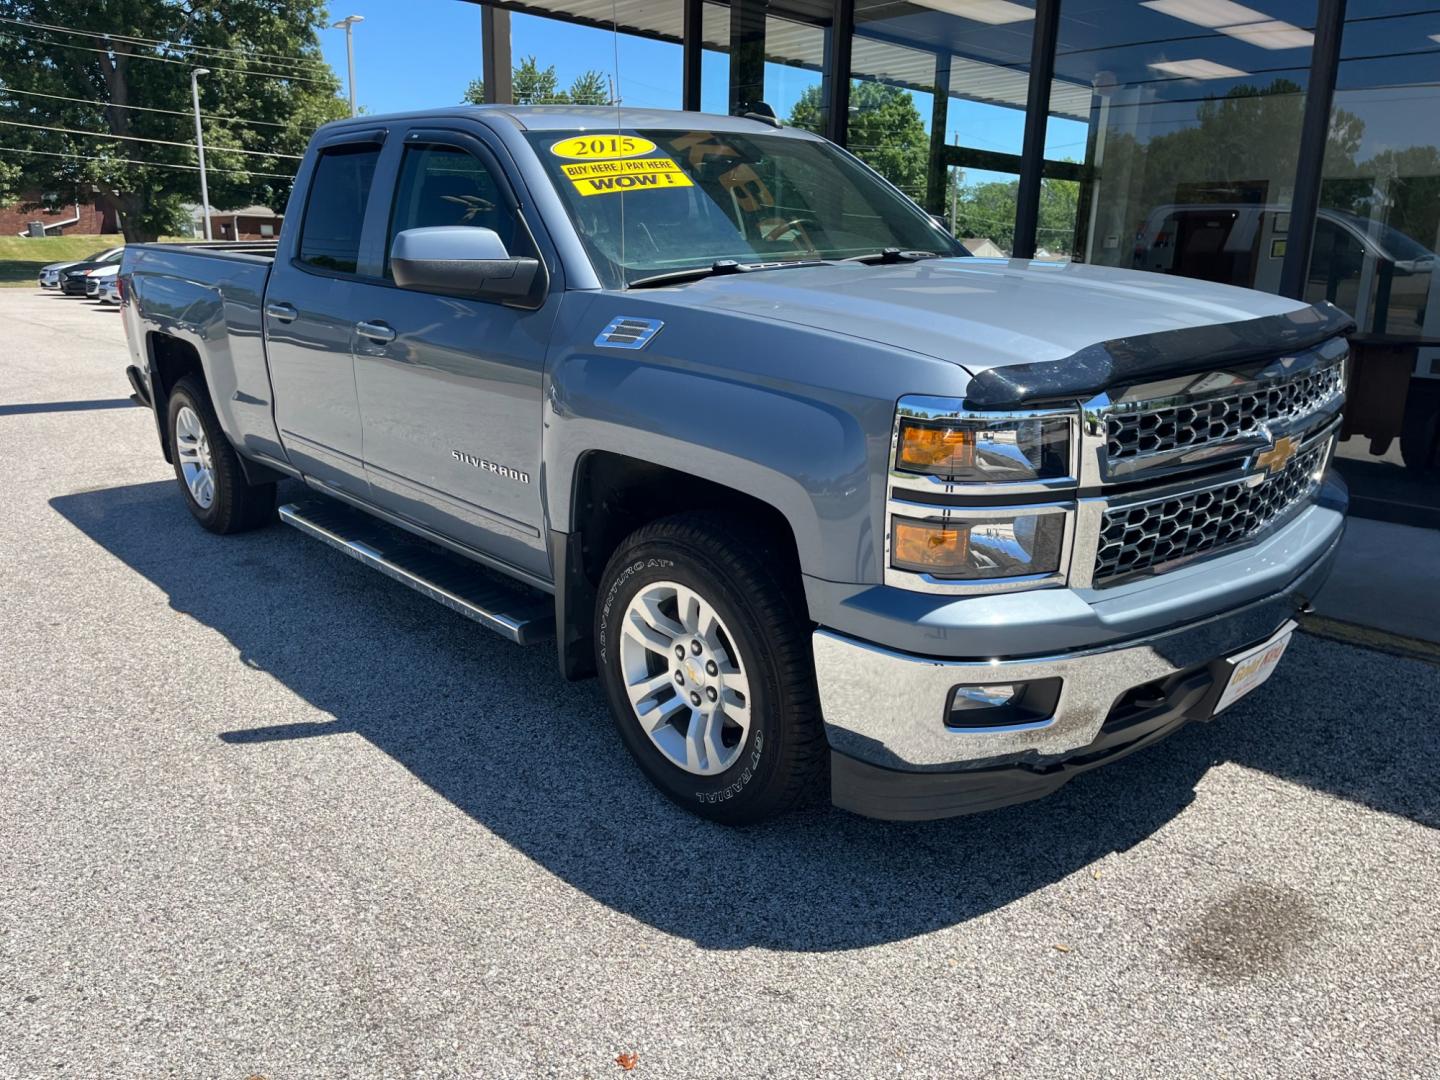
[(347, 24), (200, 147)]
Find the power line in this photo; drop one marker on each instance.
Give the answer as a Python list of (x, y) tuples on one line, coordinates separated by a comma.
[(133, 39), (144, 139), (140, 108), (185, 63), (137, 161)]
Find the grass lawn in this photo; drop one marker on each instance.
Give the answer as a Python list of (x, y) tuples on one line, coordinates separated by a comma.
[(21, 257)]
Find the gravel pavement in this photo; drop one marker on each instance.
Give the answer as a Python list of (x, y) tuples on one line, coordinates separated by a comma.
[(266, 813)]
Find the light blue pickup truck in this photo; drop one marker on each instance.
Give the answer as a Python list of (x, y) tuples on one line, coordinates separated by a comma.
[(820, 498)]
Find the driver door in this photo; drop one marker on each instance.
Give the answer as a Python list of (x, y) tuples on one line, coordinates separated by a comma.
[(450, 387)]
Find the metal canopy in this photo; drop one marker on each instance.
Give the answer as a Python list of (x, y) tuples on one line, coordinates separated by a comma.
[(802, 44)]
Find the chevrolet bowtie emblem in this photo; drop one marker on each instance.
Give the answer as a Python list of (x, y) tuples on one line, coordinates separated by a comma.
[(1275, 459)]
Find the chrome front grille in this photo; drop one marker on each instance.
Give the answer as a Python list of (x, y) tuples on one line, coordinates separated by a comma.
[(1223, 418), (1158, 472), (1142, 536)]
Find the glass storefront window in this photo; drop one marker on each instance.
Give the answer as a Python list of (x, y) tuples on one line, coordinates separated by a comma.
[(715, 58), (1194, 129), (891, 107), (983, 212), (938, 106), (1055, 229), (1375, 242), (794, 56)]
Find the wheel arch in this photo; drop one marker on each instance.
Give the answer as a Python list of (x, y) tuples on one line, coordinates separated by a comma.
[(171, 358), (610, 497)]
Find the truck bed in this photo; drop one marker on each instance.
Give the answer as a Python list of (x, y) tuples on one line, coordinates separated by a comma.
[(209, 296)]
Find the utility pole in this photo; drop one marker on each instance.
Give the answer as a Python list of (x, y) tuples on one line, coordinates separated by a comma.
[(200, 146), (347, 24)]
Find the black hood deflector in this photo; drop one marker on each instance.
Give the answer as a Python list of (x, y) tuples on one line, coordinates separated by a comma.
[(1126, 360)]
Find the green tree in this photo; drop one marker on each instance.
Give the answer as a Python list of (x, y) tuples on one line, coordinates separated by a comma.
[(532, 85), (590, 88), (1059, 204), (886, 131), (269, 88), (988, 211)]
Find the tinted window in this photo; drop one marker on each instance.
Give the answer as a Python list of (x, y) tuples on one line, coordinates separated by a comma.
[(335, 211), (444, 185)]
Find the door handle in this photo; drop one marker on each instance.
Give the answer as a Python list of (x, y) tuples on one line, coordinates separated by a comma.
[(281, 312), (376, 331)]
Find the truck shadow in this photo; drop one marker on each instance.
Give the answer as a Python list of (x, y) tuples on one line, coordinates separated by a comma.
[(495, 730)]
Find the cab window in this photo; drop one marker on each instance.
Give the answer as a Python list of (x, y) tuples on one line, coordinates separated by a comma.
[(445, 185), (335, 209)]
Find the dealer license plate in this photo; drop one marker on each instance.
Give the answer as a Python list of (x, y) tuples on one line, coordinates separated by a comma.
[(1250, 669)]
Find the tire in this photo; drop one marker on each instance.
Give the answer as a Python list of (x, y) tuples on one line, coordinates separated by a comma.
[(196, 441), (760, 746)]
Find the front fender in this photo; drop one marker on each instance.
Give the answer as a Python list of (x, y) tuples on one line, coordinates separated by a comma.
[(811, 460)]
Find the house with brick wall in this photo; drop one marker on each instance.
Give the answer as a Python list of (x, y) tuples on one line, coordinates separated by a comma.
[(83, 218)]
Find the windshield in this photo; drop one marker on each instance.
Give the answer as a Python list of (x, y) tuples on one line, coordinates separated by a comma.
[(654, 202)]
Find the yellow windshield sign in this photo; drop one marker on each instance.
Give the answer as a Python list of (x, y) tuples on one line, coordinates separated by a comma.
[(602, 147), (608, 177)]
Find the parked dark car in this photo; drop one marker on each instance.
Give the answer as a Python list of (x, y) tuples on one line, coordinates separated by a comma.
[(73, 279)]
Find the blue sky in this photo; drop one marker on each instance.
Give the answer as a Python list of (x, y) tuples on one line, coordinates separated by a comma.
[(415, 54)]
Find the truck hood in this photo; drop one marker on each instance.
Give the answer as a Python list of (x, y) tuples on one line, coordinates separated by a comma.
[(984, 313)]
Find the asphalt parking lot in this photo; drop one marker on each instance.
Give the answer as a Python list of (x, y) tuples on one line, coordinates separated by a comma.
[(264, 812)]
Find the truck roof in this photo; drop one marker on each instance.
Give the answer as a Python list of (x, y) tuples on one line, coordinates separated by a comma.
[(582, 118)]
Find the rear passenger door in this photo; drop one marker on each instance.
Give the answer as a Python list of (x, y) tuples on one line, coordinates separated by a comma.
[(450, 387), (309, 324)]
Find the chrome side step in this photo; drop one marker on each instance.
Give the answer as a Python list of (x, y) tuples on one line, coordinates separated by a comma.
[(509, 608)]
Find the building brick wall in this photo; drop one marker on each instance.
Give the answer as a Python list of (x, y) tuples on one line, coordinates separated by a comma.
[(15, 218), (222, 226)]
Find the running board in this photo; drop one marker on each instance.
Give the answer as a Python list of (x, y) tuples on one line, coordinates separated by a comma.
[(509, 608)]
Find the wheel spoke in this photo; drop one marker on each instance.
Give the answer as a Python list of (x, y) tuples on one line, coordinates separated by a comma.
[(694, 746), (638, 629), (656, 718), (689, 606), (642, 691), (711, 726), (649, 610), (736, 683)]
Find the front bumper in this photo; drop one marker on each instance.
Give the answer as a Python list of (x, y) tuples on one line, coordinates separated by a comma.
[(893, 756)]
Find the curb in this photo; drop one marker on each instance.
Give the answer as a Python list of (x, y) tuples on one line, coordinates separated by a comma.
[(1368, 637)]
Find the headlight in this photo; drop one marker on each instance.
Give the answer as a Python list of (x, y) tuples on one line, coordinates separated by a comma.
[(977, 548), (984, 451)]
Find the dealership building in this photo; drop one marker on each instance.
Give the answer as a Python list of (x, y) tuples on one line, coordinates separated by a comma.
[(1285, 145)]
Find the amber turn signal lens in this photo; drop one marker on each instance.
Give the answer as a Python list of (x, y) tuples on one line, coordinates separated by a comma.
[(924, 447), (927, 546)]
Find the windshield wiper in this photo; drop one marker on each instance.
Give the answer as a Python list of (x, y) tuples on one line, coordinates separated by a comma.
[(889, 255), (716, 269)]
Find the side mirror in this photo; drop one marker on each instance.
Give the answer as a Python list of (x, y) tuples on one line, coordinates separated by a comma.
[(459, 260)]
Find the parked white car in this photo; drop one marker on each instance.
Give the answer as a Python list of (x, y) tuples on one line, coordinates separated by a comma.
[(109, 290), (97, 277)]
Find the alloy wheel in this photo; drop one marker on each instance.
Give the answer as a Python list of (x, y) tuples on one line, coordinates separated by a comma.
[(685, 678)]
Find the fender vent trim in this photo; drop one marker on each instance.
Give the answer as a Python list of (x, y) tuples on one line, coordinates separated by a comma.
[(628, 332)]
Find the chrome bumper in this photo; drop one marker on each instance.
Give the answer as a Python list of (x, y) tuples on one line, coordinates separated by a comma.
[(888, 708)]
